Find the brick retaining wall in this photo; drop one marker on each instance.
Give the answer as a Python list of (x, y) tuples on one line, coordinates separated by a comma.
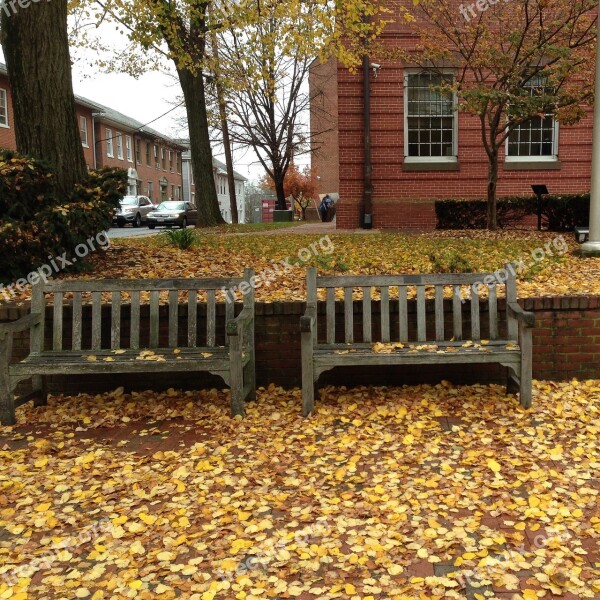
[(566, 344)]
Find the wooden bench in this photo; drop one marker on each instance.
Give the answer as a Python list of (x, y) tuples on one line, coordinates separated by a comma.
[(415, 341), (117, 349)]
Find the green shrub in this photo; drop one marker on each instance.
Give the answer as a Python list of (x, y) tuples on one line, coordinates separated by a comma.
[(564, 213), (183, 239), (37, 224), (559, 213), (472, 214)]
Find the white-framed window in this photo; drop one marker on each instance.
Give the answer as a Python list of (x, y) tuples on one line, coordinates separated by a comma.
[(110, 151), (3, 108), (156, 163), (163, 159), (129, 148), (83, 131), (171, 161), (430, 118), (119, 146), (537, 138), (150, 189)]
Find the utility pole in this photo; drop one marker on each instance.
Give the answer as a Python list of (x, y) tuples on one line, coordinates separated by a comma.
[(592, 247)]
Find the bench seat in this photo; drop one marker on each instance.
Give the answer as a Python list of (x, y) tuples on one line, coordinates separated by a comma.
[(162, 336), (69, 362), (340, 355), (416, 333)]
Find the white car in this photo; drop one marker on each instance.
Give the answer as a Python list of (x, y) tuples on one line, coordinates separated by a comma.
[(134, 210)]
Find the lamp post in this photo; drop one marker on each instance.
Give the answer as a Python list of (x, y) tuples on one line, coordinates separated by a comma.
[(592, 247)]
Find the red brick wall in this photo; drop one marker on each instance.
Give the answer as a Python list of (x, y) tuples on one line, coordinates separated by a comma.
[(566, 344), (325, 159), (404, 199), (145, 173)]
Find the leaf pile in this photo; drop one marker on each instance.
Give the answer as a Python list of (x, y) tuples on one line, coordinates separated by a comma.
[(386, 493), (227, 255)]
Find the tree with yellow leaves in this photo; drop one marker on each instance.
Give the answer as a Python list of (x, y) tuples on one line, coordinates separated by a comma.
[(513, 64)]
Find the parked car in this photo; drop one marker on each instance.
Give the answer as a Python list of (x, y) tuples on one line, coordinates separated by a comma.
[(134, 210), (173, 212)]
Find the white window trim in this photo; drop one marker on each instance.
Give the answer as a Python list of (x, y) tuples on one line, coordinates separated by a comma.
[(128, 148), (83, 121), (430, 159), (110, 148), (7, 124), (541, 159), (119, 137)]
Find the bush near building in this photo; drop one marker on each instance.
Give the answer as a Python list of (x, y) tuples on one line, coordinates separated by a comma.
[(37, 222), (559, 213)]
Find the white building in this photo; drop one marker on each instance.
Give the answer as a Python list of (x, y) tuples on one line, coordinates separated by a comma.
[(221, 185)]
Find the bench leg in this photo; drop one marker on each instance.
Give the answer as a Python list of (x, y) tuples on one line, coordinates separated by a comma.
[(250, 378), (40, 384), (237, 385), (7, 398), (308, 384), (525, 391)]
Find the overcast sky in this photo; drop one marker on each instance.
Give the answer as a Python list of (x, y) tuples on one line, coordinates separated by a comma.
[(145, 99)]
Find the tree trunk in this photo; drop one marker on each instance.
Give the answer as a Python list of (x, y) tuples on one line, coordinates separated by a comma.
[(36, 48), (225, 130), (492, 217), (279, 190), (192, 85)]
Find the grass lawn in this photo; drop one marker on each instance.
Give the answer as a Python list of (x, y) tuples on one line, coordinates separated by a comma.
[(248, 227), (387, 493), (550, 265)]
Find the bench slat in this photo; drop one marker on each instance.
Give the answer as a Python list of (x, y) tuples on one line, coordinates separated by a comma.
[(367, 327), (174, 318), (154, 314), (421, 314), (142, 285), (192, 318), (96, 320), (211, 319), (348, 316), (512, 325), (115, 321), (395, 280), (385, 314), (57, 321), (457, 313), (439, 313), (475, 325), (229, 315), (76, 337), (134, 328), (493, 311), (330, 315), (403, 313)]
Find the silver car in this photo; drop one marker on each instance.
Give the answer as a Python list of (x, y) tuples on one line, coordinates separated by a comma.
[(134, 210)]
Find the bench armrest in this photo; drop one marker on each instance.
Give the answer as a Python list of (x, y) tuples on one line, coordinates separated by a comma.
[(308, 319), (23, 324), (235, 326), (525, 317)]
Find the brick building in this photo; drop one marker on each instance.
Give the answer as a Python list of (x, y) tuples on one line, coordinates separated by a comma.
[(417, 159)]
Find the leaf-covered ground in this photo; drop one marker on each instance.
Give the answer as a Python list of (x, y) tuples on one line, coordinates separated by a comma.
[(387, 493), (550, 265)]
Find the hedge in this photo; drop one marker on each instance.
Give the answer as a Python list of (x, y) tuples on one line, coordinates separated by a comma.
[(559, 213)]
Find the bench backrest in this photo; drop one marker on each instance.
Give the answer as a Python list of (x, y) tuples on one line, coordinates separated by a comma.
[(478, 287), (136, 292)]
